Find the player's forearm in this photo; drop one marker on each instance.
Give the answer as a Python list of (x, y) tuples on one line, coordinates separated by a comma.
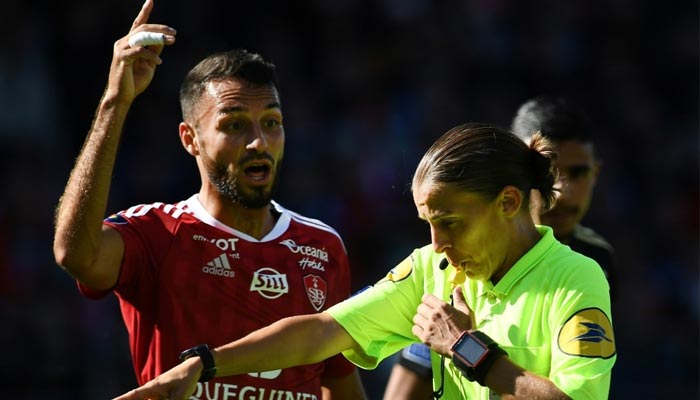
[(512, 382), (83, 204), (292, 341)]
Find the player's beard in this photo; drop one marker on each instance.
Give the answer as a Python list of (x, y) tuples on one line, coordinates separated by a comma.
[(227, 185)]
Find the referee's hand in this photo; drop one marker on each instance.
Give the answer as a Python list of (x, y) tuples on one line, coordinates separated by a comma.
[(438, 324)]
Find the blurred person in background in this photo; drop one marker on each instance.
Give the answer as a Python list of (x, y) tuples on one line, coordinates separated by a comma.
[(570, 132), (226, 261), (532, 320)]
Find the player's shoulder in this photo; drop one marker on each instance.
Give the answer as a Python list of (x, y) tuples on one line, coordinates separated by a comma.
[(307, 223), (590, 237), (151, 211)]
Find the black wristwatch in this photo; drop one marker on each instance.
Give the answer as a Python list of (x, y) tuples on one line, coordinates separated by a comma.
[(474, 353), (202, 351)]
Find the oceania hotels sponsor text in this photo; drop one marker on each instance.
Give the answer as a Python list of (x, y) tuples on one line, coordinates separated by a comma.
[(305, 250)]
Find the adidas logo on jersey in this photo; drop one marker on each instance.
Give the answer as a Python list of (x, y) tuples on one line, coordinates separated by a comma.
[(219, 266)]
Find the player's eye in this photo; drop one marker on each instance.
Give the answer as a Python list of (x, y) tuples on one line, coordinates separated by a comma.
[(235, 126), (272, 123)]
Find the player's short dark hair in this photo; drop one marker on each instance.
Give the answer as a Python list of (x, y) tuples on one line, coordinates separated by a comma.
[(555, 117), (238, 63)]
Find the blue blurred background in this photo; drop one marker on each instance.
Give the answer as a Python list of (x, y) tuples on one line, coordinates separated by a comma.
[(366, 87)]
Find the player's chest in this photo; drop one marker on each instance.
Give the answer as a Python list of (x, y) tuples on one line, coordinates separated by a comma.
[(230, 267)]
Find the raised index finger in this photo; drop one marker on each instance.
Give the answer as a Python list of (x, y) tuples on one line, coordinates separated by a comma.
[(145, 12)]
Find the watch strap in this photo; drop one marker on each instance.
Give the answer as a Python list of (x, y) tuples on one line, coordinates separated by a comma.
[(478, 373), (204, 354)]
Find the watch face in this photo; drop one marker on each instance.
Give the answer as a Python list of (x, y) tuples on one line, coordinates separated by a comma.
[(470, 349)]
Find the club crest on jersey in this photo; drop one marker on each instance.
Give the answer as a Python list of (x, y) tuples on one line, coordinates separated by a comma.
[(316, 290), (269, 283), (399, 272), (588, 333)]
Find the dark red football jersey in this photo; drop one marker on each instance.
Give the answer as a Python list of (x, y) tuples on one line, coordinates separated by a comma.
[(188, 279)]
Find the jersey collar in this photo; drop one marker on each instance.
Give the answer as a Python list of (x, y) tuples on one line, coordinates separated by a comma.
[(526, 263), (198, 210)]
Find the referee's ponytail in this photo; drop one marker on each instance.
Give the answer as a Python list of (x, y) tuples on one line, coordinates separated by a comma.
[(544, 174)]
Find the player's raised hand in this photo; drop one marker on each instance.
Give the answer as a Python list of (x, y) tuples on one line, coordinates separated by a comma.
[(136, 56)]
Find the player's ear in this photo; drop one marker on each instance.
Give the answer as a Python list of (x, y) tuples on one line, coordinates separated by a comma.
[(188, 138)]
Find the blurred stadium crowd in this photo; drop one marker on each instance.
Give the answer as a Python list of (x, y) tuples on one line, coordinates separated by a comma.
[(366, 87)]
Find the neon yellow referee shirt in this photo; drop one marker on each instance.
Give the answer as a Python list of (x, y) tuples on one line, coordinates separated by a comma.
[(550, 312)]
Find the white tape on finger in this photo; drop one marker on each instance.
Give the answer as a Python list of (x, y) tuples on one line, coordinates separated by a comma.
[(146, 39)]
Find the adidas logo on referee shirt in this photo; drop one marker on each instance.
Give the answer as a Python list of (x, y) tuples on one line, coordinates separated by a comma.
[(219, 266)]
